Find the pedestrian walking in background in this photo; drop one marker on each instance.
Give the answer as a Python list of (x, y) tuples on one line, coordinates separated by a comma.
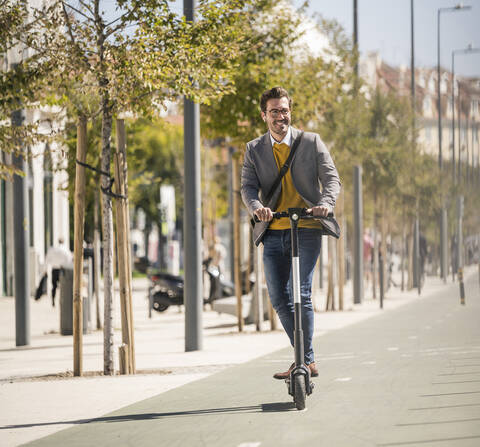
[(311, 166), (368, 255), (57, 257)]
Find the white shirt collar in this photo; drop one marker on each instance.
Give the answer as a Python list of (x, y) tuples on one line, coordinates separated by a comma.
[(287, 139)]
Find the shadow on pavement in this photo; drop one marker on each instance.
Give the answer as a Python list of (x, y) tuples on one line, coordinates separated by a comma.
[(262, 408)]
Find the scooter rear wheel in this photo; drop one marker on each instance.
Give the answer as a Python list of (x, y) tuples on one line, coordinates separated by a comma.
[(300, 391)]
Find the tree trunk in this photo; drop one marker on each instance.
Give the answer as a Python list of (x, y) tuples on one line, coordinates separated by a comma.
[(383, 247), (410, 256), (108, 365), (404, 243), (79, 220), (341, 250), (97, 257), (249, 261), (236, 226), (123, 243), (331, 280), (375, 248), (146, 235)]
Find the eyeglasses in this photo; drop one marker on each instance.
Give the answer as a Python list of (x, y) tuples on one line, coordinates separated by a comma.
[(277, 112)]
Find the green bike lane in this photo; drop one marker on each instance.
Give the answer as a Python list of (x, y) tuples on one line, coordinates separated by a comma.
[(407, 377)]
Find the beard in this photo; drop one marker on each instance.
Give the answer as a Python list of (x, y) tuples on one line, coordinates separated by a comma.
[(281, 124)]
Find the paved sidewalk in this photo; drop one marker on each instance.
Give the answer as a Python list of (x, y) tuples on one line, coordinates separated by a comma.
[(26, 398)]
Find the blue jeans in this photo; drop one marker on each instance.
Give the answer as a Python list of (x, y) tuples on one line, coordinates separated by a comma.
[(277, 263)]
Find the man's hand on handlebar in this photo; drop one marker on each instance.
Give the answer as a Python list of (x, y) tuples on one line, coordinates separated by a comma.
[(319, 211), (264, 214)]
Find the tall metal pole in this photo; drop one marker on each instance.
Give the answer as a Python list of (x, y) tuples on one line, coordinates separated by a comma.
[(412, 62), (193, 292), (439, 103), (358, 291), (468, 50), (355, 34), (443, 215), (21, 243), (358, 235), (459, 149), (460, 232), (416, 255), (453, 118), (416, 261)]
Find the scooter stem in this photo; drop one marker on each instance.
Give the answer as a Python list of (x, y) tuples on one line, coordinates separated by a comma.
[(294, 214)]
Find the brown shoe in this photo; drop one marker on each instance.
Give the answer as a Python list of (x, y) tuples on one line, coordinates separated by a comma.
[(284, 375), (313, 369)]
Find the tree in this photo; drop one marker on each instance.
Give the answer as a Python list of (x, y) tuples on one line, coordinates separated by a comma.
[(129, 57)]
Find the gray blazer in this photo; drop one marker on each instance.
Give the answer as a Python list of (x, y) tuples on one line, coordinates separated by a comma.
[(313, 173)]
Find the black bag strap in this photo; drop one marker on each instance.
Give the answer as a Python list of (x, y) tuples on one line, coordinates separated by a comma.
[(283, 169)]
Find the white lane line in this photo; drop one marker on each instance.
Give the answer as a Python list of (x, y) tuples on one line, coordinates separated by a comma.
[(249, 444), (276, 361), (393, 348), (338, 358), (370, 362), (343, 379), (450, 348)]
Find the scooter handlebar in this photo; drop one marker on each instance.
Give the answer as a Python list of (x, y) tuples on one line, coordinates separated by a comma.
[(303, 215)]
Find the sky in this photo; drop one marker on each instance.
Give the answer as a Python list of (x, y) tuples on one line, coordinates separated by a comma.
[(384, 26)]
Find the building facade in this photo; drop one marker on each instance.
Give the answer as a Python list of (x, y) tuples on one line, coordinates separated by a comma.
[(48, 207), (460, 111)]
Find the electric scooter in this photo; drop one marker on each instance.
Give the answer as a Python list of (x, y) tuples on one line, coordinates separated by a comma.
[(298, 383)]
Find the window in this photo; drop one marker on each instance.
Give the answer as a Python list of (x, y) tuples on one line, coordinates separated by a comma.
[(450, 105), (426, 104), (474, 106), (463, 133), (444, 83), (428, 134)]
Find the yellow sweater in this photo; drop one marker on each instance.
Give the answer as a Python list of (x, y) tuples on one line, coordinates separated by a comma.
[(289, 197)]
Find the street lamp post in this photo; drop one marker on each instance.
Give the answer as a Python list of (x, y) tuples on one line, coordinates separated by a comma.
[(468, 50), (458, 7), (443, 216), (193, 290)]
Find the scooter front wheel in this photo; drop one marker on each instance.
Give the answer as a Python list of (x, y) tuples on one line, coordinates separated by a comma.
[(300, 391)]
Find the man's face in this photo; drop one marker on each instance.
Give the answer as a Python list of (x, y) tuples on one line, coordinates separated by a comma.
[(277, 116)]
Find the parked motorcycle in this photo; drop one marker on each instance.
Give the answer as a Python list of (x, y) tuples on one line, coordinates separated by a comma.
[(166, 290)]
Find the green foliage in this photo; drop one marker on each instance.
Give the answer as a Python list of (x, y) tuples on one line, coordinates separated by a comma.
[(155, 157), (269, 38), (85, 61)]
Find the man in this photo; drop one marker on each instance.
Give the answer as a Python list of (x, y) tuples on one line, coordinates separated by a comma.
[(57, 258), (311, 167)]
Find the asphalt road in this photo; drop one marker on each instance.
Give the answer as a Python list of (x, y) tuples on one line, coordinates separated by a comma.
[(409, 377)]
